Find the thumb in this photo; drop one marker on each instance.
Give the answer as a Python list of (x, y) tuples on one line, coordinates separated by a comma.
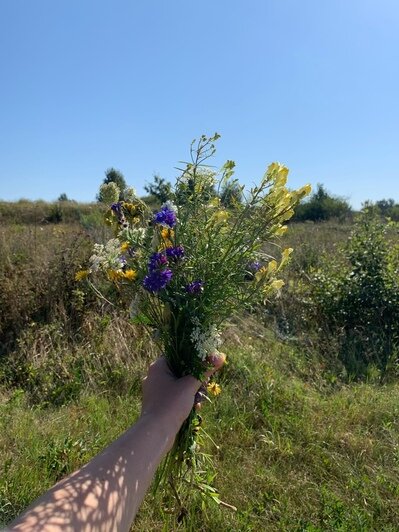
[(216, 360)]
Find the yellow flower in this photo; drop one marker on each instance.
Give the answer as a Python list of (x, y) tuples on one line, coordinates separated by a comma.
[(125, 246), (167, 233), (277, 284), (130, 275), (272, 266), (81, 274), (214, 388), (285, 256), (221, 216), (261, 274), (281, 230), (304, 191), (114, 275)]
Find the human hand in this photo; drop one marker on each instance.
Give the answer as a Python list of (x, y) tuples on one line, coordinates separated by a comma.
[(170, 398)]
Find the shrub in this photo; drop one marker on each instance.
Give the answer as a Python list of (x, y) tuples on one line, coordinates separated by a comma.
[(385, 207), (159, 189), (322, 206), (355, 300)]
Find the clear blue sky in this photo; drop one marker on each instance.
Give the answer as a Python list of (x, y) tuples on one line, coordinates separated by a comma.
[(89, 84)]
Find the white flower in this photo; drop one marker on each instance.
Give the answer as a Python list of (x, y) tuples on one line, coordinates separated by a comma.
[(170, 206), (206, 341), (129, 194), (106, 257)]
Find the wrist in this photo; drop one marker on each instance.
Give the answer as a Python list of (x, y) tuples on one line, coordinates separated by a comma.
[(160, 425)]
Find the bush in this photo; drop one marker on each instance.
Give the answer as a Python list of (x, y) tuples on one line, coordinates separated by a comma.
[(160, 189), (322, 206), (385, 207), (355, 300)]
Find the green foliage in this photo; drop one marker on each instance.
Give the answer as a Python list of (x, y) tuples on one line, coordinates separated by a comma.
[(357, 299), (25, 212), (115, 176), (322, 206), (294, 454), (385, 207), (63, 197), (160, 189), (56, 214), (231, 194)]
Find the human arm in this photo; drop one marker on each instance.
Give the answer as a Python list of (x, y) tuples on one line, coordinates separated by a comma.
[(106, 493)]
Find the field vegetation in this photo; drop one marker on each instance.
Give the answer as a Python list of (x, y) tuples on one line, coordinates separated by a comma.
[(308, 417)]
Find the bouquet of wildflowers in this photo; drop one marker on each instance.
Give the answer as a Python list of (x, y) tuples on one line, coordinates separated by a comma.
[(191, 265)]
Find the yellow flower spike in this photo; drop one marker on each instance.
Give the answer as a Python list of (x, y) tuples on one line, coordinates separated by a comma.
[(167, 234), (304, 191), (261, 274), (214, 203), (214, 388), (81, 274), (281, 230), (272, 266), (286, 215), (277, 284), (272, 168), (221, 216), (115, 275), (282, 175), (125, 246), (130, 275), (285, 256)]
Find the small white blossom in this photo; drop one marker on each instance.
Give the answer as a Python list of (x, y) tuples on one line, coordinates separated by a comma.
[(106, 257), (129, 194), (206, 341), (109, 193), (170, 206)]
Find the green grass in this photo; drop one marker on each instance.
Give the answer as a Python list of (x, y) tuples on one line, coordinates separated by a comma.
[(295, 453), (299, 449)]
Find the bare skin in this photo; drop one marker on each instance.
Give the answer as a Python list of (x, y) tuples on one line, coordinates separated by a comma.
[(105, 494)]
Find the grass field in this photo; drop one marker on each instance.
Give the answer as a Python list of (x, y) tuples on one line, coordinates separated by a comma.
[(299, 448)]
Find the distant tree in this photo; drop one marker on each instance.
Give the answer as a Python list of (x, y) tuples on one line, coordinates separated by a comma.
[(385, 207), (322, 206), (231, 194), (115, 176), (63, 197), (203, 181), (159, 188)]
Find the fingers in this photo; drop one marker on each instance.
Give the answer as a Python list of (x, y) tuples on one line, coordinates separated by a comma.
[(216, 360)]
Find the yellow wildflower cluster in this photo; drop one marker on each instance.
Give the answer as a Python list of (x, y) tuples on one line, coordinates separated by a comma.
[(214, 388), (120, 275), (81, 274), (167, 235)]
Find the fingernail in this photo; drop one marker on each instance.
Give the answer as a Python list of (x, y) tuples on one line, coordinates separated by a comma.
[(216, 358)]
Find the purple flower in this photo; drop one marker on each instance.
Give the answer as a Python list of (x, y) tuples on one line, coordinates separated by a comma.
[(118, 211), (157, 261), (122, 260), (131, 252), (166, 216), (254, 266), (251, 269), (117, 208), (195, 287), (175, 253), (157, 280)]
